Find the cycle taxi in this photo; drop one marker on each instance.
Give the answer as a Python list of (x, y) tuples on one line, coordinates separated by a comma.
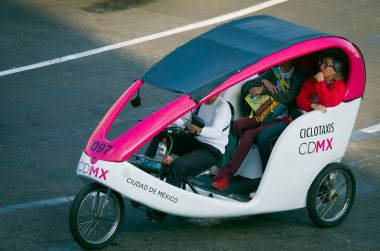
[(304, 169)]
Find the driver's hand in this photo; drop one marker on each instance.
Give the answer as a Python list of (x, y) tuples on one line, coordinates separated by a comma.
[(167, 160), (193, 129)]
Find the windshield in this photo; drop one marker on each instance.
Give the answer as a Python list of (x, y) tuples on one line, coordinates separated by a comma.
[(152, 99)]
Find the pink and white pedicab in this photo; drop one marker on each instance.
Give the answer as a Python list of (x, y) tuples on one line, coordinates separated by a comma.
[(304, 169)]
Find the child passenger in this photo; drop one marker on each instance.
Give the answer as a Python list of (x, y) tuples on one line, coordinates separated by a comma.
[(248, 128)]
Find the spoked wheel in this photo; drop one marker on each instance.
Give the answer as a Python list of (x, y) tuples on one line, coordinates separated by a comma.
[(96, 216), (331, 195)]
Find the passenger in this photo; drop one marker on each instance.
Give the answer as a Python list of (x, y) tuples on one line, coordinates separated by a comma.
[(324, 89), (248, 128), (199, 149)]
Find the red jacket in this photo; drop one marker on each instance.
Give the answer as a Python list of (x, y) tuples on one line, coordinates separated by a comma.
[(328, 95)]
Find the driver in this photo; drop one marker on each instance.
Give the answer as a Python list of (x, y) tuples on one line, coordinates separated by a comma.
[(198, 148)]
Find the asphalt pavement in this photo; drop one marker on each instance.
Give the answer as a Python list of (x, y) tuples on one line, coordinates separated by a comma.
[(48, 113)]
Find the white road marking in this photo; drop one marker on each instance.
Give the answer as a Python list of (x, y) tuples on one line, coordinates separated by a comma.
[(371, 129), (365, 133), (177, 30), (35, 204)]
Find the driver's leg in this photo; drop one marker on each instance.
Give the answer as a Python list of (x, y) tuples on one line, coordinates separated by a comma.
[(189, 165)]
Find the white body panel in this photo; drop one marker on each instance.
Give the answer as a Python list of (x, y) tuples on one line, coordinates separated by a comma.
[(284, 186), (251, 166), (291, 168), (142, 187)]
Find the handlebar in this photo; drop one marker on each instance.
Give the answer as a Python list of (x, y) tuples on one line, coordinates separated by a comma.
[(174, 129)]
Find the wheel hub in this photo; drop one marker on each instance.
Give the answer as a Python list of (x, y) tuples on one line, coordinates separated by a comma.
[(333, 196)]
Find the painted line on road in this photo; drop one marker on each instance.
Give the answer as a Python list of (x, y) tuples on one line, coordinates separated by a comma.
[(365, 133), (204, 23), (35, 204), (371, 131)]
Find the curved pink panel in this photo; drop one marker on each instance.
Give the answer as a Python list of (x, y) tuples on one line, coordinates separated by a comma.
[(121, 148)]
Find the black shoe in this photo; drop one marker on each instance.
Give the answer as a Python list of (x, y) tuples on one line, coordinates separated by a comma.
[(155, 216)]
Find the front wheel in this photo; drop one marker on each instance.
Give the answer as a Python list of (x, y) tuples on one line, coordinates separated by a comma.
[(96, 216), (331, 195)]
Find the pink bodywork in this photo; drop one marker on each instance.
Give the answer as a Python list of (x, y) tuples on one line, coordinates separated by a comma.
[(120, 149)]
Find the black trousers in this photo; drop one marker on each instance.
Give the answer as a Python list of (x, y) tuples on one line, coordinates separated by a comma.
[(195, 157)]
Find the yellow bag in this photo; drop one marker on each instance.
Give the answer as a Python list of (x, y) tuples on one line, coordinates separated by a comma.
[(262, 106)]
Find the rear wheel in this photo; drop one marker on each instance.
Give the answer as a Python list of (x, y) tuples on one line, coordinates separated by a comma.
[(331, 195), (96, 216)]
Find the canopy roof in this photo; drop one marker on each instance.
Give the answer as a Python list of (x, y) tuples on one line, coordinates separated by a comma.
[(206, 61)]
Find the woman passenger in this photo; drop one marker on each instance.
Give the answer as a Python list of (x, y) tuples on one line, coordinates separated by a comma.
[(325, 89)]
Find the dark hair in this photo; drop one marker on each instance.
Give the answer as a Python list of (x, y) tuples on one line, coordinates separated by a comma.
[(338, 63)]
